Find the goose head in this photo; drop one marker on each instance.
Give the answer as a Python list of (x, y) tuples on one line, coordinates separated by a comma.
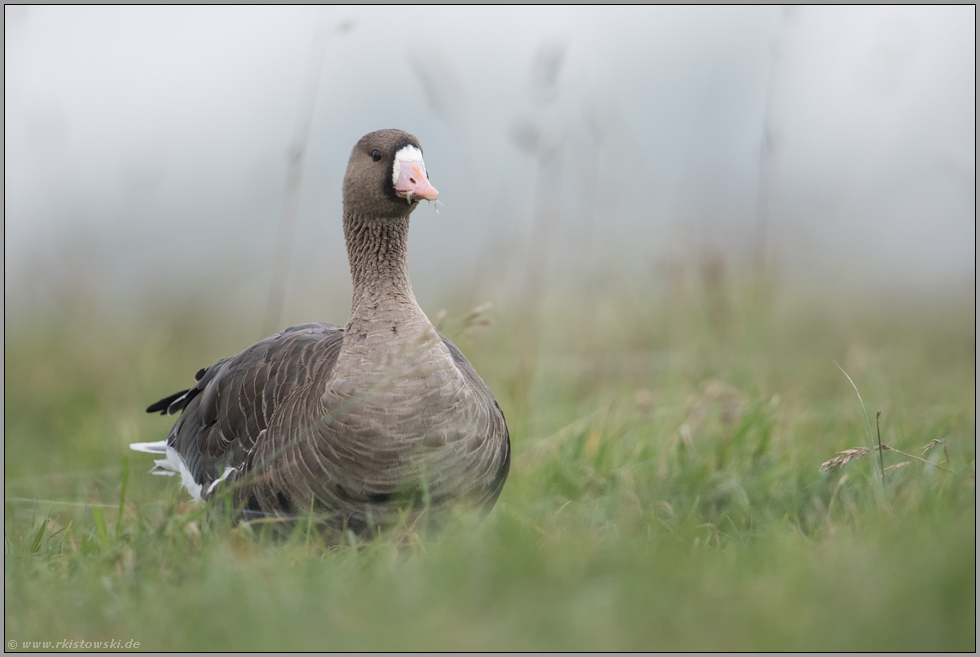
[(386, 176)]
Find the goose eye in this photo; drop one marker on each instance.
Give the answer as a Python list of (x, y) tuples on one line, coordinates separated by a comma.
[(376, 155)]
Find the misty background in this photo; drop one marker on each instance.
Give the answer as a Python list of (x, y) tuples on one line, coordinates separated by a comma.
[(152, 153)]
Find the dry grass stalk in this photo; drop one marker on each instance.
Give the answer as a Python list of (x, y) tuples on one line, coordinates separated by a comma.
[(833, 496), (857, 452), (913, 456), (896, 466), (477, 317), (843, 457), (881, 454), (877, 475), (937, 441)]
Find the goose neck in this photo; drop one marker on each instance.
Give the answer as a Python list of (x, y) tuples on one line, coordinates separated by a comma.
[(378, 254)]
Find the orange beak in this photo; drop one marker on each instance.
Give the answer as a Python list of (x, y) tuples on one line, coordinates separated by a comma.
[(412, 183)]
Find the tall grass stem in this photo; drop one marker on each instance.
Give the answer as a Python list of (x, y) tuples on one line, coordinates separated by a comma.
[(877, 477)]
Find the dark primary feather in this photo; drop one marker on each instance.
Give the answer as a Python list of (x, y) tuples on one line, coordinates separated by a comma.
[(164, 404)]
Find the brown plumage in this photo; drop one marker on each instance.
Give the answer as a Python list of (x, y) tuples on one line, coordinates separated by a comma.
[(382, 417)]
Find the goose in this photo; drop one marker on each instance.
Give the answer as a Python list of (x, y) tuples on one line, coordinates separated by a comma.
[(363, 424)]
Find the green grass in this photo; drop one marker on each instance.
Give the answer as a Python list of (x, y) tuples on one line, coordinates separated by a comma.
[(664, 494)]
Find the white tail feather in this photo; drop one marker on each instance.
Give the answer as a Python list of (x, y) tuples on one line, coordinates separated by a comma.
[(159, 447), (176, 463), (172, 465), (228, 471)]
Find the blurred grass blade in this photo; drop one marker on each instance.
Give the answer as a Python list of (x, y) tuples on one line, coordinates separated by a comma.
[(99, 515), (122, 494), (876, 474), (309, 521), (37, 537)]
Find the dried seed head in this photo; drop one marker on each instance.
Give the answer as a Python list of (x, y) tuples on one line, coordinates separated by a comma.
[(896, 466), (843, 457)]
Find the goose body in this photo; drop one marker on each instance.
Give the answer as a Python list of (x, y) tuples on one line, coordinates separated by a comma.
[(361, 423)]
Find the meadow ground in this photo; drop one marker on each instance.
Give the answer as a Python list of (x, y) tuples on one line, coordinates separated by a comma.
[(665, 493)]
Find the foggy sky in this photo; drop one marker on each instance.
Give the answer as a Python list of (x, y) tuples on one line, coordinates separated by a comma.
[(150, 143)]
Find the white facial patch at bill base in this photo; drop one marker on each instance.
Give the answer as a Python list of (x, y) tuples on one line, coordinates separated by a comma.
[(406, 154)]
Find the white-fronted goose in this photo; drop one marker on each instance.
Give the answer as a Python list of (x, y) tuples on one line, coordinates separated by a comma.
[(356, 423)]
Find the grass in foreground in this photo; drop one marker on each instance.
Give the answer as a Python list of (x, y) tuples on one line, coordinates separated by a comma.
[(666, 493)]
